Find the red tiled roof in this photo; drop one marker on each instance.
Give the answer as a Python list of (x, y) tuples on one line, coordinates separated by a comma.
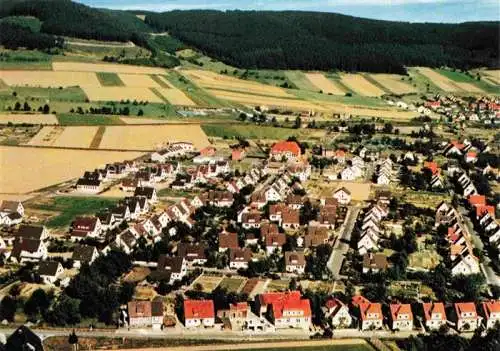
[(481, 210), (471, 154), (370, 308), (194, 309), (278, 239), (358, 299), (432, 166), (492, 306), (286, 146), (434, 307), (465, 307), (228, 240), (477, 200), (286, 301), (401, 309)]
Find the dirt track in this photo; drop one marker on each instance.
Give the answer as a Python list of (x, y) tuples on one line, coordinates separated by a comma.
[(260, 345)]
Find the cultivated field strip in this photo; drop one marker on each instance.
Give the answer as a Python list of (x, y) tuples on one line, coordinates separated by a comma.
[(28, 118), (47, 79), (138, 80), (130, 137), (105, 67), (121, 93), (25, 169), (322, 83), (70, 137), (493, 76), (212, 80), (439, 80), (394, 83), (361, 85), (468, 87), (175, 96)]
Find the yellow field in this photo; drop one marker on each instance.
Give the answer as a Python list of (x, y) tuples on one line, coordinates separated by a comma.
[(438, 79), (104, 67), (151, 137), (175, 96), (164, 80), (64, 136), (324, 84), (253, 100), (49, 79), (359, 191), (394, 83), (371, 112), (360, 85), (25, 169), (492, 75), (469, 87), (138, 80), (121, 93), (26, 118), (212, 80)]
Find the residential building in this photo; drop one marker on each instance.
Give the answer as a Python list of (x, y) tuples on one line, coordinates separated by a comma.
[(466, 316), (288, 150), (145, 314), (434, 315), (491, 312), (295, 262), (84, 254), (50, 271), (370, 313), (285, 309), (338, 313), (199, 313), (401, 317)]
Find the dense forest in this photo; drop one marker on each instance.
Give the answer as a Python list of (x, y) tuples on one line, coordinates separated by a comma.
[(15, 33), (63, 17), (309, 40)]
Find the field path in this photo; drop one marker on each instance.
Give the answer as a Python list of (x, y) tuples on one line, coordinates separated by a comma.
[(261, 345), (102, 45), (96, 141)]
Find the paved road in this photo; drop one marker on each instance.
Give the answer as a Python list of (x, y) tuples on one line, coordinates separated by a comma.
[(342, 244)]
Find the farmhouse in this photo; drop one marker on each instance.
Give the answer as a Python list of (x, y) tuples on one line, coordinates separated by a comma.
[(288, 150), (199, 313)]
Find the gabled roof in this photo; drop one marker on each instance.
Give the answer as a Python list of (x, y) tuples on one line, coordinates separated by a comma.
[(240, 255), (22, 244), (174, 264), (48, 268), (286, 146), (477, 200), (199, 309), (294, 258), (467, 307), (281, 302), (434, 307), (228, 240), (83, 253), (30, 231), (401, 309), (368, 310), (9, 206), (492, 306), (24, 339)]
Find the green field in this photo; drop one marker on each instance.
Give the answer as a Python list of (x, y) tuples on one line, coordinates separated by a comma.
[(68, 119), (461, 77), (68, 207), (300, 80), (248, 131), (26, 59), (108, 79), (356, 100), (364, 347), (73, 94), (231, 284)]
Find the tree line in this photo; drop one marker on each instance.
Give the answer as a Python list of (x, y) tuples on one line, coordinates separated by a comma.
[(327, 41)]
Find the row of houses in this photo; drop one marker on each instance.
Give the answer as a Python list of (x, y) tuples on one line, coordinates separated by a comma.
[(370, 228), (484, 215), (385, 173)]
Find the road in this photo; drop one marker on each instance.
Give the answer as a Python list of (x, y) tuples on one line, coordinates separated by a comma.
[(104, 45), (342, 244), (488, 271)]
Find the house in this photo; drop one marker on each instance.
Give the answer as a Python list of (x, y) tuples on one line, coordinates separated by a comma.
[(370, 313), (28, 250), (24, 339), (374, 263), (129, 185), (237, 314), (199, 313), (239, 258), (465, 264), (89, 186), (148, 192), (434, 315), (284, 309), (8, 207), (338, 313), (471, 157), (10, 219), (290, 219), (50, 271), (251, 220), (491, 312), (145, 314), (274, 241), (342, 195), (401, 317), (194, 254), (315, 236), (172, 269), (238, 154), (126, 241), (83, 227), (32, 232), (84, 254), (295, 262), (466, 316), (288, 150)]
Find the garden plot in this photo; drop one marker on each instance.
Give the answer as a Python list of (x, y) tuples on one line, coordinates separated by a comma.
[(324, 84), (361, 85), (121, 93), (104, 67), (48, 79), (394, 83)]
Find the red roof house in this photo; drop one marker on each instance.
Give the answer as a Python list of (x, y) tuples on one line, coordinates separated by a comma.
[(281, 306), (477, 200), (287, 149), (199, 313)]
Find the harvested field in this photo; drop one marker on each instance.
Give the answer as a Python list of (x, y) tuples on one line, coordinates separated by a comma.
[(369, 112), (359, 191), (104, 67), (25, 169), (361, 85), (438, 79), (175, 96), (493, 76), (27, 118), (253, 100), (394, 83), (50, 79), (162, 81), (469, 87), (324, 84), (213, 80), (300, 80), (121, 93), (152, 137), (96, 140), (64, 136), (138, 80)]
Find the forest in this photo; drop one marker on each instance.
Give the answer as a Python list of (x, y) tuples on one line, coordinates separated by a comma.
[(15, 35), (328, 41)]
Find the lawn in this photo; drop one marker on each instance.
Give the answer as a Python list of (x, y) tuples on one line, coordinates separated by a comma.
[(109, 79), (68, 119), (69, 207), (167, 192), (232, 284)]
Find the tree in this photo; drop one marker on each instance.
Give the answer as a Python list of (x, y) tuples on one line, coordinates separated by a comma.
[(140, 112), (8, 308), (46, 109), (17, 106), (66, 311), (37, 304), (73, 340)]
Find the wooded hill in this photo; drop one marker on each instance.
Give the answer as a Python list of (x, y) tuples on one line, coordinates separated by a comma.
[(311, 40)]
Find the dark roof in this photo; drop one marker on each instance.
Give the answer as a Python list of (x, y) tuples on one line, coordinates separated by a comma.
[(174, 264), (24, 339), (228, 240), (191, 252), (48, 268), (88, 182), (9, 206), (14, 215), (21, 244), (83, 253), (30, 231), (144, 191), (85, 223)]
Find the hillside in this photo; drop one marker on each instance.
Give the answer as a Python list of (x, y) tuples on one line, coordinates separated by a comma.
[(325, 41)]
